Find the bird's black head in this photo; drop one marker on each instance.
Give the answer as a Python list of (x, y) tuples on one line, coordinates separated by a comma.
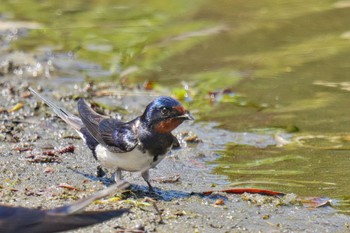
[(164, 114)]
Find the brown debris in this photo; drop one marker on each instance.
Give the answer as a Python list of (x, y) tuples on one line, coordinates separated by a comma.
[(67, 186), (137, 229), (219, 201), (148, 85), (171, 179), (22, 149), (26, 94), (67, 149), (48, 170), (43, 159), (190, 137), (317, 202), (50, 156)]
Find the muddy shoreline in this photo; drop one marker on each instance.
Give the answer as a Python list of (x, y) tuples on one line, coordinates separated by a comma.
[(28, 128)]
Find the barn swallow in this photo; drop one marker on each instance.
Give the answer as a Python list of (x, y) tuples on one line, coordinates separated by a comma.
[(134, 146), (69, 217)]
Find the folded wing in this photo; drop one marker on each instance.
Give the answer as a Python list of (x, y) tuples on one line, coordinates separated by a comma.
[(113, 134)]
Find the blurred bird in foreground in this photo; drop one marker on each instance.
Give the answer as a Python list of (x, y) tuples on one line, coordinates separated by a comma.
[(69, 217)]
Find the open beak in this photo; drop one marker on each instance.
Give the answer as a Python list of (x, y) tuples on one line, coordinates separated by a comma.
[(186, 116)]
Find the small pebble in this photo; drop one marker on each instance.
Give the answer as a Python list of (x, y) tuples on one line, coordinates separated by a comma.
[(220, 201), (48, 170)]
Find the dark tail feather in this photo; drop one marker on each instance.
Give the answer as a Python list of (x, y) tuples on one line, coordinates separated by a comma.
[(68, 222), (25, 220)]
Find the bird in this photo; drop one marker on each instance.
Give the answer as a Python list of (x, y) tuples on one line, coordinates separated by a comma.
[(21, 219), (64, 218), (134, 146)]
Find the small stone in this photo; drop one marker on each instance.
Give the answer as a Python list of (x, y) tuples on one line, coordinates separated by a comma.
[(220, 201), (26, 94), (48, 170)]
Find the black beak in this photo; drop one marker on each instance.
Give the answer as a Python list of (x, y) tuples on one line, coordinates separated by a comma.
[(186, 116)]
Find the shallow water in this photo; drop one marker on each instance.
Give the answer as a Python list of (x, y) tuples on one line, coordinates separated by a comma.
[(264, 67)]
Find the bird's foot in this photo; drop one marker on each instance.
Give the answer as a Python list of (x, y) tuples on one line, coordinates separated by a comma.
[(150, 188), (100, 172)]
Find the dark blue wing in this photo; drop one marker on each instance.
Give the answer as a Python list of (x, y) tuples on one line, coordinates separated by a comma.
[(117, 134), (113, 134)]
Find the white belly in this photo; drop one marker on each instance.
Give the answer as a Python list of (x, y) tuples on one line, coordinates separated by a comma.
[(134, 160)]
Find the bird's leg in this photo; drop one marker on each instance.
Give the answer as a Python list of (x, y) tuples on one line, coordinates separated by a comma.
[(145, 176), (100, 172), (118, 178)]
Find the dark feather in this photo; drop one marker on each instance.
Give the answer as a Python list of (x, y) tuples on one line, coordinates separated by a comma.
[(176, 143), (90, 119), (89, 139), (68, 217), (113, 134), (117, 134), (19, 219), (155, 143)]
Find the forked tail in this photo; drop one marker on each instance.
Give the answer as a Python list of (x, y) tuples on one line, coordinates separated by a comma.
[(68, 117)]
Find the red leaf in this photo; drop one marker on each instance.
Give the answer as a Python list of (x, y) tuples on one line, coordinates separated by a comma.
[(247, 190)]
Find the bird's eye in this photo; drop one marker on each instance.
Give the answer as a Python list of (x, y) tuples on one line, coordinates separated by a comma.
[(164, 111)]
